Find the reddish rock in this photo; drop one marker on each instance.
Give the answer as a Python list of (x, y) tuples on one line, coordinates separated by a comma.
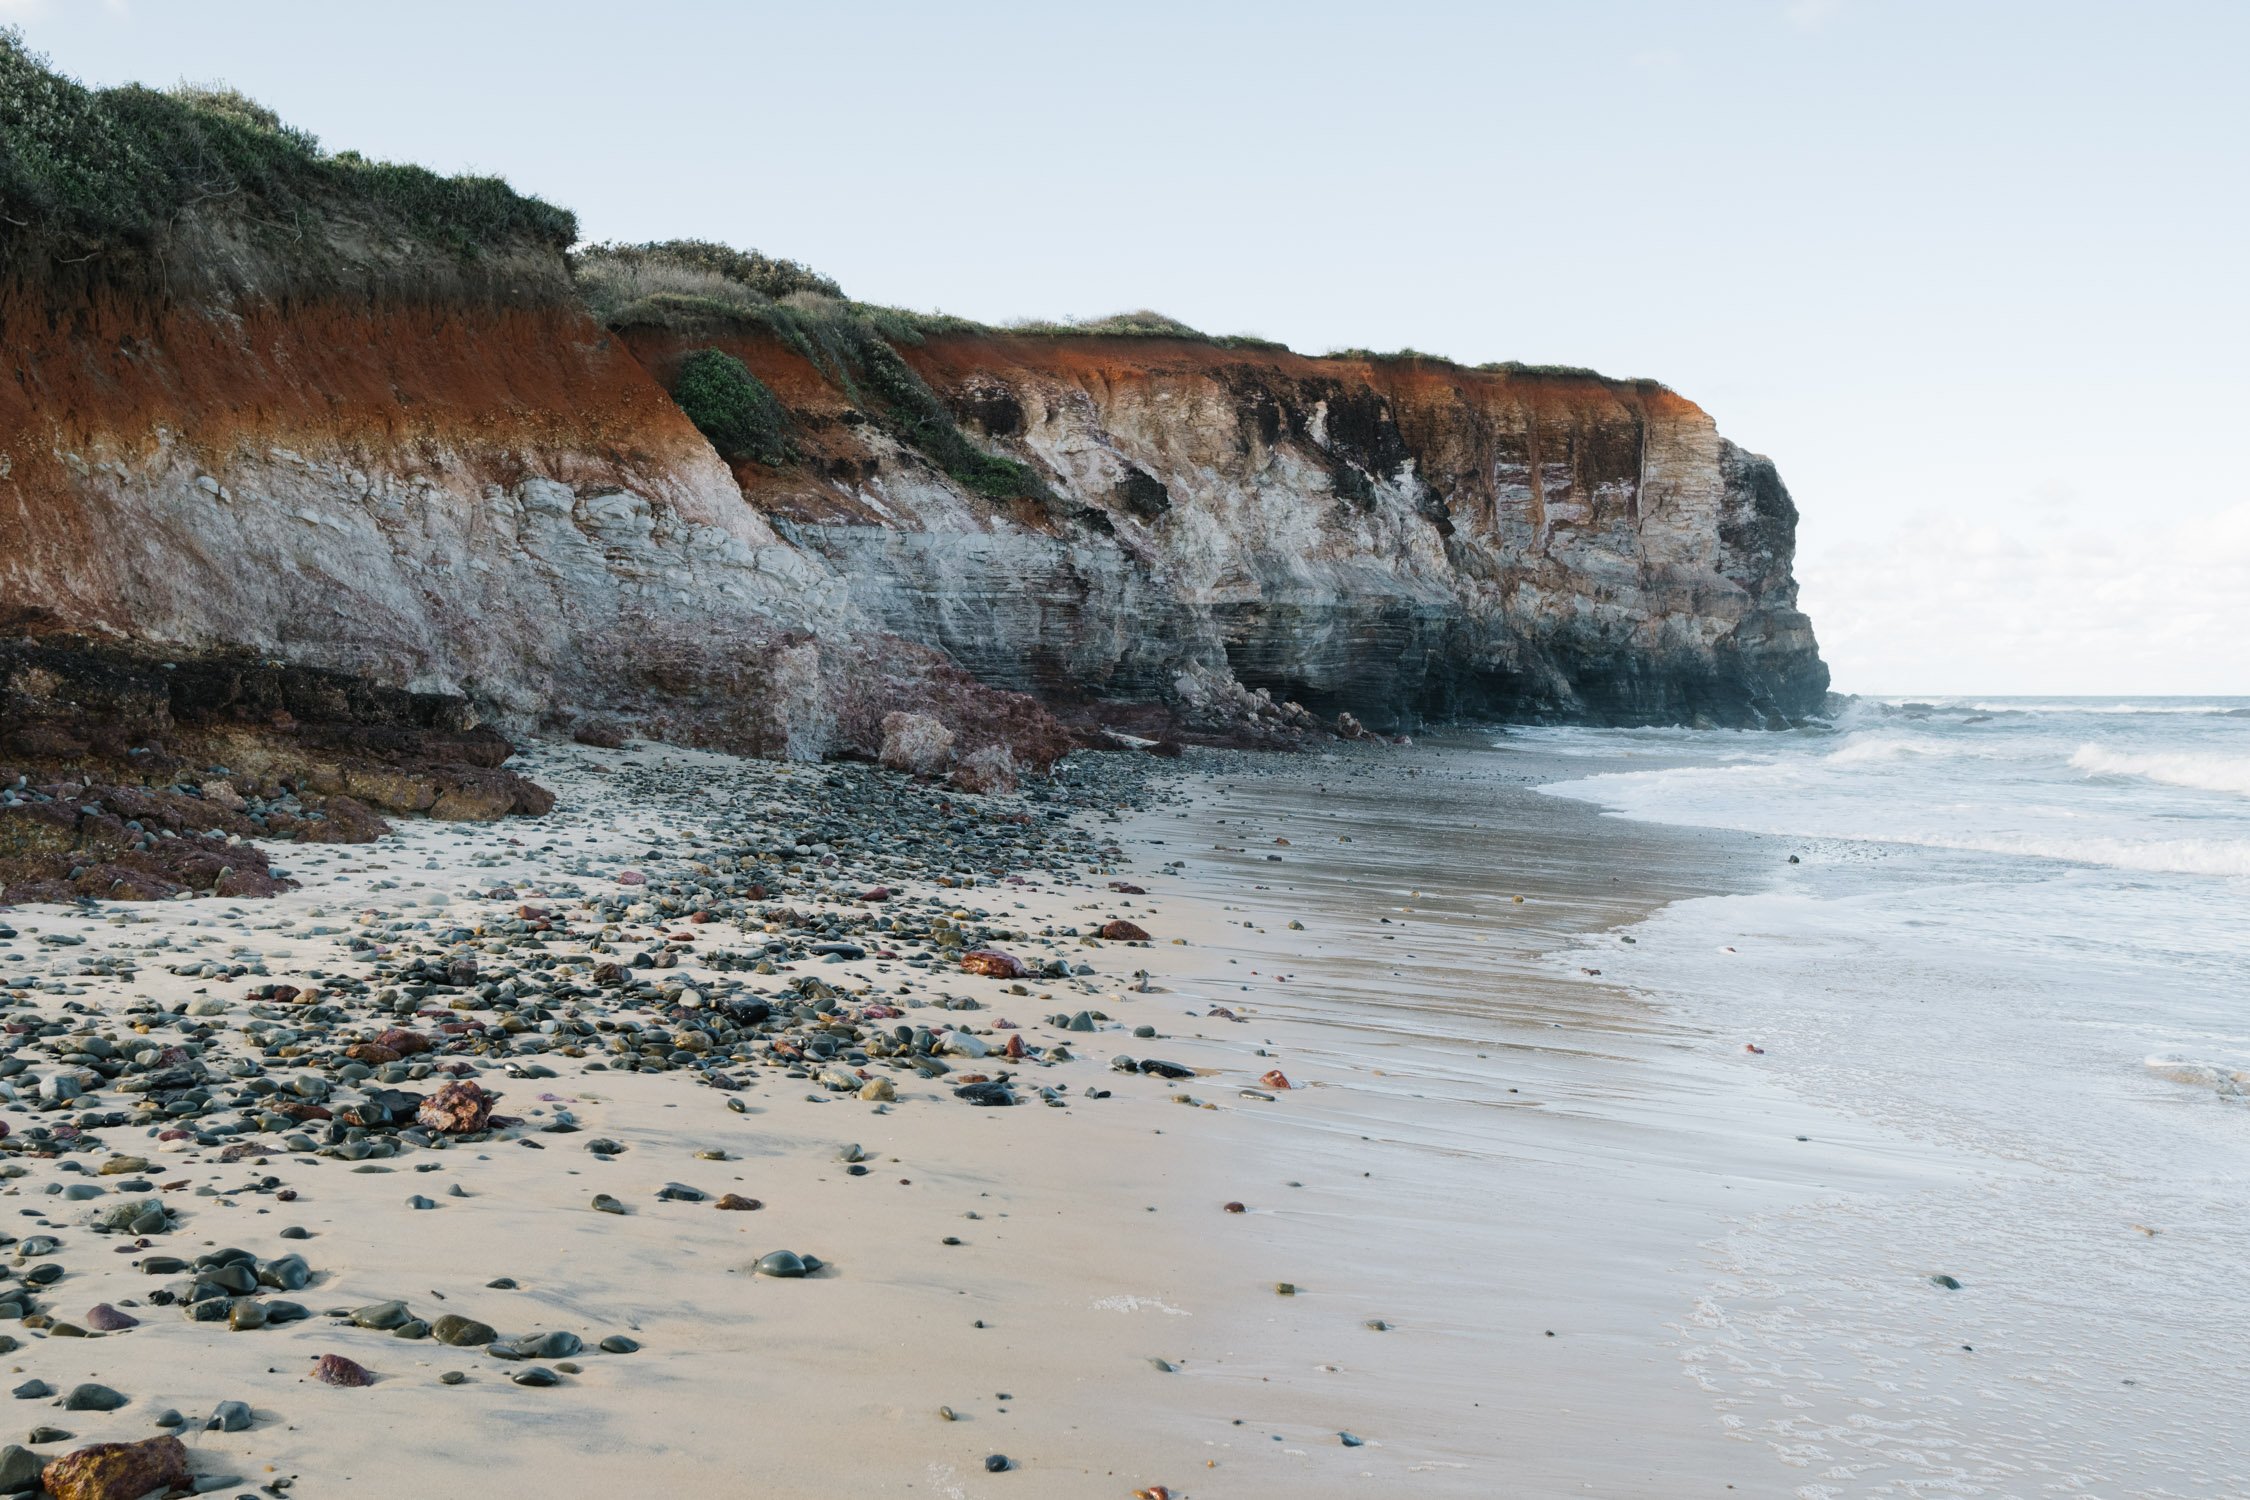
[(118, 1471), (880, 893), (993, 964), (374, 1054), (599, 733), (1127, 888), (106, 1319), (1276, 1079), (735, 1202), (405, 1043), (992, 769), (457, 1109), (915, 743), (334, 1369), (1122, 931)]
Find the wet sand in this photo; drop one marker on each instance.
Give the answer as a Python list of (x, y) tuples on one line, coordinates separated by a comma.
[(1511, 1166)]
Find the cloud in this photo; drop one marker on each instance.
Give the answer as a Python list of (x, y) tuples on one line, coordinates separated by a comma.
[(2054, 600)]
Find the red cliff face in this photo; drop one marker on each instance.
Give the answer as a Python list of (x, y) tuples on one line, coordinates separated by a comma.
[(449, 477), (465, 487)]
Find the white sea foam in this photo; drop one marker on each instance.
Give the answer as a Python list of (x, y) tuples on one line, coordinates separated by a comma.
[(2128, 792), (2220, 1078), (2222, 707), (2203, 772), (1869, 747), (2073, 1033)]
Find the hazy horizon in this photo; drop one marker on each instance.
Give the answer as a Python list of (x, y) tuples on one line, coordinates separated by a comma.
[(1970, 277)]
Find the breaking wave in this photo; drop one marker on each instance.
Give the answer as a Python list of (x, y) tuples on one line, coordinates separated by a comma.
[(2203, 772)]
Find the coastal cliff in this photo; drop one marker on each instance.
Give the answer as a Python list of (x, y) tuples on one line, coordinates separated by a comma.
[(381, 423), (1391, 537)]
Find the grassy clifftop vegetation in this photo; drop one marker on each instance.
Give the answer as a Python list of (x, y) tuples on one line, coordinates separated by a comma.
[(110, 172)]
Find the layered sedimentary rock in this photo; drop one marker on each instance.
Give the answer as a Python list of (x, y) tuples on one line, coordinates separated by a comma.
[(1395, 538), (437, 476), (127, 776), (435, 471)]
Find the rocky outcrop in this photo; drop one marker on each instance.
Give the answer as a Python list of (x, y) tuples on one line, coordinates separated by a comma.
[(1394, 538), (373, 429), (126, 776)]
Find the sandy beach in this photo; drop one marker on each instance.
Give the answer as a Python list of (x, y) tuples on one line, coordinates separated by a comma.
[(1486, 1186)]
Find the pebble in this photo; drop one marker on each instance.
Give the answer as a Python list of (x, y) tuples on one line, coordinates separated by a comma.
[(461, 1332), (434, 1018), (334, 1369)]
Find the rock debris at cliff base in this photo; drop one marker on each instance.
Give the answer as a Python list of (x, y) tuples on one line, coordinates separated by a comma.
[(183, 1083)]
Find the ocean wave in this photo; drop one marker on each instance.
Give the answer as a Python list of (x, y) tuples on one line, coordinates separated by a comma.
[(2203, 772), (1772, 805), (2207, 707), (1874, 747)]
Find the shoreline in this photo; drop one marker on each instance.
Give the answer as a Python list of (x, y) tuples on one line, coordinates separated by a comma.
[(1388, 1186)]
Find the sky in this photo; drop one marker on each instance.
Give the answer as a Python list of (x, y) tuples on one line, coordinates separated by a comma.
[(1975, 275)]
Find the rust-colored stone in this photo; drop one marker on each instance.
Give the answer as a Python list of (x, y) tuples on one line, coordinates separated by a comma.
[(118, 1471), (993, 964), (405, 1043), (1122, 931), (334, 1369), (457, 1109)]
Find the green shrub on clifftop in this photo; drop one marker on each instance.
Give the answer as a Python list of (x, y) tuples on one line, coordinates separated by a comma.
[(87, 172), (733, 408)]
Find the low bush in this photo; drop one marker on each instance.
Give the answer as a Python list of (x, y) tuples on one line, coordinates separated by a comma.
[(733, 408)]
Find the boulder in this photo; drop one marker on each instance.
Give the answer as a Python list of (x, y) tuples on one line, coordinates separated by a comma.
[(118, 1471), (457, 1109), (915, 743), (992, 769)]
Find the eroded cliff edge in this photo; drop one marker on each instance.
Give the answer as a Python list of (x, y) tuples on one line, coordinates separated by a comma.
[(379, 432), (1398, 538)]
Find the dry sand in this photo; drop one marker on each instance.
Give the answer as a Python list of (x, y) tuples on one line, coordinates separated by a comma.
[(1511, 1166)]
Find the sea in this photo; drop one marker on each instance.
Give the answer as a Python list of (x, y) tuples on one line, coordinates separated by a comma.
[(2011, 935)]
